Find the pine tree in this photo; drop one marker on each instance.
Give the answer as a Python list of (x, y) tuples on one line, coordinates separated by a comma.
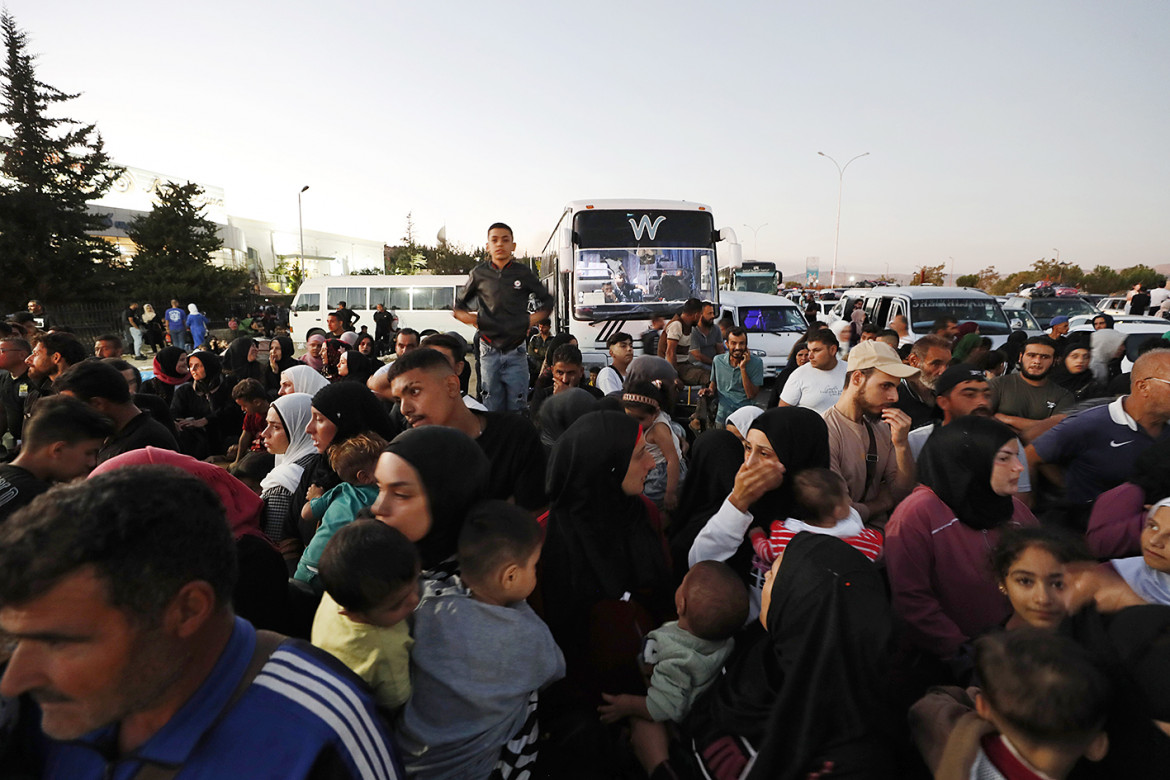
[(175, 243), (51, 167)]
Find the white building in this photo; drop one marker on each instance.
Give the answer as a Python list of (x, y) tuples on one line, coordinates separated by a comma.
[(260, 247)]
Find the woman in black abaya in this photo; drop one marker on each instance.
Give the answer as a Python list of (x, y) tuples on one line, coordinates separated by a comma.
[(807, 694), (606, 572)]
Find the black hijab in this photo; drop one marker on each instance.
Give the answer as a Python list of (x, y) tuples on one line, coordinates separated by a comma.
[(1013, 348), (562, 410), (1081, 385), (600, 543), (433, 451), (358, 367), (800, 440), (816, 679), (167, 363), (715, 459), (213, 370), (956, 464), (286, 354), (353, 409), (235, 359)]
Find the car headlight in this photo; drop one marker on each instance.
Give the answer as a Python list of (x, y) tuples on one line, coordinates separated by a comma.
[(758, 352)]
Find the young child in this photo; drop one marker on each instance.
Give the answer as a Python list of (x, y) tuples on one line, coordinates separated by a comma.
[(481, 654), (823, 507), (370, 572), (686, 657), (1042, 707), (252, 398), (354, 460), (643, 402)]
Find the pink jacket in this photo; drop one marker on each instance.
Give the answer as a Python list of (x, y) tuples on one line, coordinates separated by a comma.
[(943, 587)]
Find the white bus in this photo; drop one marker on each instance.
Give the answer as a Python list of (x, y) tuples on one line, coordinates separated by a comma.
[(612, 264), (420, 301)]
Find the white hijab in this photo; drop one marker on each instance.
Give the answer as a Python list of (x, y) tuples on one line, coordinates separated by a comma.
[(192, 308), (294, 409), (305, 379), (1151, 584), (743, 417)]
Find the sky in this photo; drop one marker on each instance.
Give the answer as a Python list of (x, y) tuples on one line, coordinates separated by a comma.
[(998, 132)]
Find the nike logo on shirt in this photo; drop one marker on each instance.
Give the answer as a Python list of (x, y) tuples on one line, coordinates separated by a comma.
[(1120, 443)]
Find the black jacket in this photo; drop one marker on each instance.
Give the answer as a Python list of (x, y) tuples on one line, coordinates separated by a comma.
[(503, 301)]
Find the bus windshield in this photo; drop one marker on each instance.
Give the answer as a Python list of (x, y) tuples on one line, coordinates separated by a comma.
[(761, 282), (634, 263), (984, 311)]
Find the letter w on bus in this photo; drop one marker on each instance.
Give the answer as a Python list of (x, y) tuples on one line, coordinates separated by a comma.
[(644, 225)]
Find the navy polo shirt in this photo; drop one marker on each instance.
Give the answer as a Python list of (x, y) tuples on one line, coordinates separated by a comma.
[(302, 705), (1097, 448)]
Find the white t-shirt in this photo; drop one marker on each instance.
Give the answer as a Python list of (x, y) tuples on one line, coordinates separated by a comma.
[(608, 380), (813, 388), (674, 332)]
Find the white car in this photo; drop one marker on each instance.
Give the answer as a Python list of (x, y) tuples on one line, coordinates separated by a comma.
[(1112, 305)]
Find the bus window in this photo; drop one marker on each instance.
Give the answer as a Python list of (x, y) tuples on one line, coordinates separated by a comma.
[(354, 297), (307, 302), (379, 295), (433, 298)]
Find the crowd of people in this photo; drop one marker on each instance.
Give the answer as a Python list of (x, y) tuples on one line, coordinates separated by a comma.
[(903, 560)]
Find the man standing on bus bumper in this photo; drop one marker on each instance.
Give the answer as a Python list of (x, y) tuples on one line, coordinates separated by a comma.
[(501, 287)]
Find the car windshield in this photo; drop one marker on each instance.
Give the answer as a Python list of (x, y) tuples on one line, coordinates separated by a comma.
[(983, 311), (1044, 309), (1024, 316), (772, 319)]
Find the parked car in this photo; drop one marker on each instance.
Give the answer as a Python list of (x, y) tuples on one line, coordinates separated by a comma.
[(922, 305), (1022, 319), (774, 325), (1044, 309), (1112, 305)]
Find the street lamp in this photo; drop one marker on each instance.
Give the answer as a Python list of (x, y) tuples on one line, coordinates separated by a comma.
[(840, 192), (755, 239), (301, 224), (1054, 249)]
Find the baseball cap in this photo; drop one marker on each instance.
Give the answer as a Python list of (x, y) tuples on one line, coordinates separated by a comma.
[(879, 355), (1059, 319), (957, 375)]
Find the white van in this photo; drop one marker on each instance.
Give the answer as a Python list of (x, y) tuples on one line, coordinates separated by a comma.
[(774, 324), (922, 305), (420, 301)]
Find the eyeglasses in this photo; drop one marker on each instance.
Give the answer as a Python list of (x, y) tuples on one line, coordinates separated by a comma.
[(1157, 379)]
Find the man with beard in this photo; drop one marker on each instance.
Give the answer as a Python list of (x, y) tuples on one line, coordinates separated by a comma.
[(867, 433), (962, 390), (119, 616), (52, 354), (706, 339), (930, 355), (1027, 401), (736, 376)]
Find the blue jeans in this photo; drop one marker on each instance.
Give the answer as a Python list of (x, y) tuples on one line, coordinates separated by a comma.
[(179, 339), (136, 337), (504, 378)]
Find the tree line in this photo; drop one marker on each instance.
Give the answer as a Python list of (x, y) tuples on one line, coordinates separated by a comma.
[(1101, 279)]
